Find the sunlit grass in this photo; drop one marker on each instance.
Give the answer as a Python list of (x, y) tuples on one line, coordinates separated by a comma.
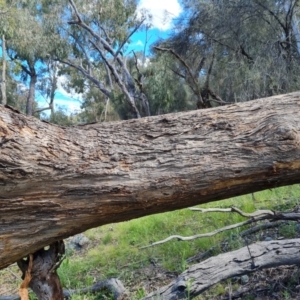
[(116, 247)]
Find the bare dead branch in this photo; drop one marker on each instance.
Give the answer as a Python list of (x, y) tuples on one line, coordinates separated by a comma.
[(129, 36), (199, 277), (215, 97), (257, 213), (101, 87), (177, 73), (200, 66), (139, 80), (196, 88), (120, 83), (198, 236), (260, 227), (76, 13), (272, 14), (41, 109)]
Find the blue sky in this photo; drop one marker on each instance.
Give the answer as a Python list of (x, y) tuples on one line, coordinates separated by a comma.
[(163, 13)]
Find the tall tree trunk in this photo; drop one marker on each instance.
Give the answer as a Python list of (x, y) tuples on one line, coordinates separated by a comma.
[(31, 94), (3, 81), (56, 182)]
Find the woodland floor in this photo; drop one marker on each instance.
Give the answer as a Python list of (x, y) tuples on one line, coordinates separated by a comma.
[(275, 283), (143, 274), (281, 283)]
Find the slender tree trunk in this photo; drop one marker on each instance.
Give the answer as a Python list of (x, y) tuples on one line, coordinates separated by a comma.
[(3, 82), (31, 94), (53, 89), (56, 182)]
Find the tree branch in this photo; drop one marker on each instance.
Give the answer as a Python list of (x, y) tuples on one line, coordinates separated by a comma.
[(199, 277), (101, 87), (128, 37), (272, 14), (191, 75), (121, 85), (258, 215)]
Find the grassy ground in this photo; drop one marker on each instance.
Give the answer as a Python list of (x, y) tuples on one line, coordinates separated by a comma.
[(114, 250)]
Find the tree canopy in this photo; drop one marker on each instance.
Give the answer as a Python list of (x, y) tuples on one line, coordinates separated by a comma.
[(222, 52)]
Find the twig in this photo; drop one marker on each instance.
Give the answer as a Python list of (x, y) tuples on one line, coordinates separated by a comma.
[(260, 227), (15, 275), (198, 236), (196, 88), (129, 35), (258, 215), (235, 209)]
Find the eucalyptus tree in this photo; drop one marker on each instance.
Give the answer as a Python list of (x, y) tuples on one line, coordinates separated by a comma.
[(3, 73), (167, 92), (6, 27), (32, 42), (99, 34), (255, 43)]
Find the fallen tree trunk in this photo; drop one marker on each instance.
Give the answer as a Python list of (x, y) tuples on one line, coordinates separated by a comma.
[(249, 259), (56, 182)]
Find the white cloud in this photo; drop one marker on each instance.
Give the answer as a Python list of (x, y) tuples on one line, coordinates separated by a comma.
[(162, 11), (68, 106), (61, 90), (144, 63), (139, 43)]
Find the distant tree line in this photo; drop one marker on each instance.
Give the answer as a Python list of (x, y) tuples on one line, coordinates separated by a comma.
[(219, 52)]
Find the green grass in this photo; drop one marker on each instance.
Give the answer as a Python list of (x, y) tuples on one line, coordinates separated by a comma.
[(116, 252), (116, 247)]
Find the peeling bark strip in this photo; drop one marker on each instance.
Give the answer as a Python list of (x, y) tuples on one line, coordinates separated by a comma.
[(56, 182), (200, 277)]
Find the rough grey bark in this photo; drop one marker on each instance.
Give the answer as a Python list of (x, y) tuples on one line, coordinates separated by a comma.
[(200, 277), (56, 182)]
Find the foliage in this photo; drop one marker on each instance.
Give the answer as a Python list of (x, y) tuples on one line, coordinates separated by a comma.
[(254, 43), (252, 47)]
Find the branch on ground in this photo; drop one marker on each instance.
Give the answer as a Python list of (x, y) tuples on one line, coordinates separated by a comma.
[(199, 277), (258, 215)]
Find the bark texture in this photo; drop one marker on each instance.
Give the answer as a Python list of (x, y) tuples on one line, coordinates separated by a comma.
[(200, 277), (39, 273), (56, 182)]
